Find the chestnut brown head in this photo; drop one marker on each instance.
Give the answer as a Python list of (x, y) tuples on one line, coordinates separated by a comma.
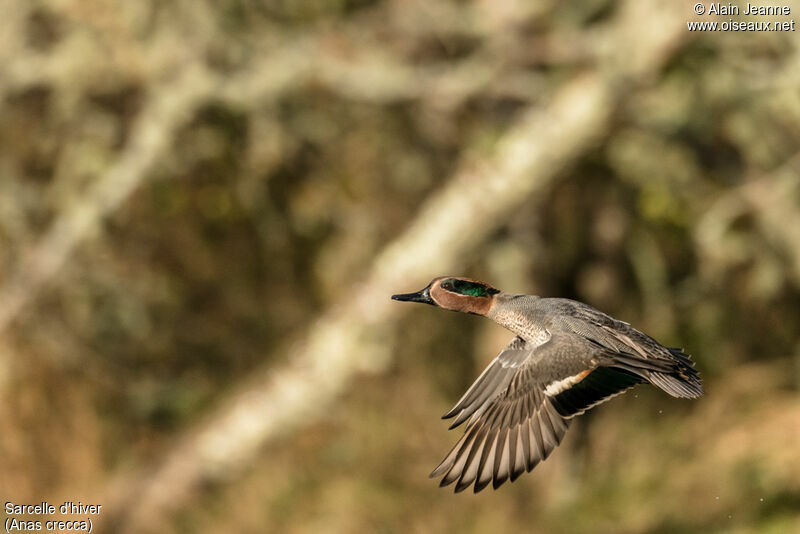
[(456, 294)]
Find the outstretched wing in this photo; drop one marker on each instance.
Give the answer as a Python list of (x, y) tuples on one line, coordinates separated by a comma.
[(518, 410)]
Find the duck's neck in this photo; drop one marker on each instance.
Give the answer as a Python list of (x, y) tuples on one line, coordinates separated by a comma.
[(518, 313)]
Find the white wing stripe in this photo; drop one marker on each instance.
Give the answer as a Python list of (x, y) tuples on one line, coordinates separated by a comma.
[(554, 388)]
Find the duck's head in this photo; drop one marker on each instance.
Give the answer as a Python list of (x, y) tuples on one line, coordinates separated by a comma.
[(456, 294)]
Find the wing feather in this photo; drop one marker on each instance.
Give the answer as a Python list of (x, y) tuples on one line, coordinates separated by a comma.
[(520, 407), (512, 425)]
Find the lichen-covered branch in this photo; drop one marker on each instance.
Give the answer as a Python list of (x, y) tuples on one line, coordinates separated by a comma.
[(348, 337), (351, 335), (151, 136)]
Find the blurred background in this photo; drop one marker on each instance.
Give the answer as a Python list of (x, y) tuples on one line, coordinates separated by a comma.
[(205, 206)]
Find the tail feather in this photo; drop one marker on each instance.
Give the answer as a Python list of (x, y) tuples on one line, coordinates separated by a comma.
[(678, 385), (676, 376)]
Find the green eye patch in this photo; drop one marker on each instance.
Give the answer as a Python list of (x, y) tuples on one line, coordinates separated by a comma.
[(464, 287)]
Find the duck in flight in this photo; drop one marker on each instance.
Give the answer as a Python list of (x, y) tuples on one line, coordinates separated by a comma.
[(566, 358)]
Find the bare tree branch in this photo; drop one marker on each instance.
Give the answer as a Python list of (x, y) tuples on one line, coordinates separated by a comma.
[(772, 202), (352, 335), (151, 135), (348, 337)]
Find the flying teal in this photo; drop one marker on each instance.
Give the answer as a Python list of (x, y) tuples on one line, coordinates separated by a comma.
[(566, 357)]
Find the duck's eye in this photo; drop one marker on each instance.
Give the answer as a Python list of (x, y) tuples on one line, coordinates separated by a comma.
[(463, 287)]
